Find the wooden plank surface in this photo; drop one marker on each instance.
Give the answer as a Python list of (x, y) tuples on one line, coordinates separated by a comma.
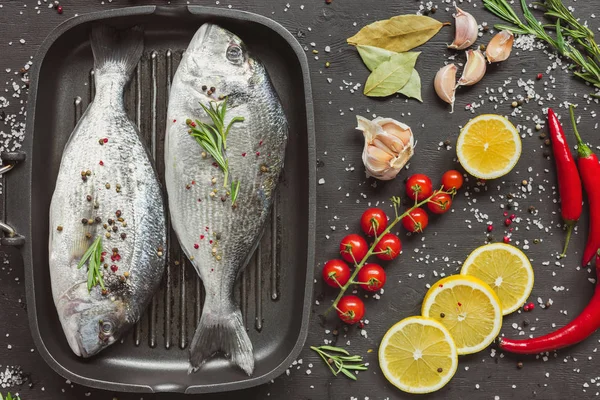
[(346, 193)]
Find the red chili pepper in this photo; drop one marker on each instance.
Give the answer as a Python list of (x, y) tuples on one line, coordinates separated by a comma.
[(569, 183), (577, 330), (589, 169)]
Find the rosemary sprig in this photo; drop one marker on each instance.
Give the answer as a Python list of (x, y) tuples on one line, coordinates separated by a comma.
[(341, 362), (93, 256), (586, 61), (9, 397), (213, 139)]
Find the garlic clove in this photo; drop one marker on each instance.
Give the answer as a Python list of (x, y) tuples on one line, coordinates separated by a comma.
[(388, 146), (445, 84), (474, 68), (466, 30), (500, 46)]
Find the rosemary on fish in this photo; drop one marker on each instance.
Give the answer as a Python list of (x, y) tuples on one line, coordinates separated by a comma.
[(586, 61), (213, 139), (341, 362), (93, 256)]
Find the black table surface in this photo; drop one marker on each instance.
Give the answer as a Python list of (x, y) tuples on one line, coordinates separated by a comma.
[(346, 192)]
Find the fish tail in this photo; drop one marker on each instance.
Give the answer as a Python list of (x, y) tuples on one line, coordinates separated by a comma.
[(222, 330), (117, 51)]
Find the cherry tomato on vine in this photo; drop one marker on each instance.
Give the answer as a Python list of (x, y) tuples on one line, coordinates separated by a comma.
[(419, 186), (353, 245), (336, 273), (350, 309), (388, 247), (373, 221), (452, 180), (373, 277), (440, 203), (416, 220)]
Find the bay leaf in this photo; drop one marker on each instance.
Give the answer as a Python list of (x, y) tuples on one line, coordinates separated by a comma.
[(400, 33), (391, 76), (373, 56), (412, 88)]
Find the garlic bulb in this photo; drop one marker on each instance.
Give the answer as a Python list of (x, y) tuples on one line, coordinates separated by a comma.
[(445, 84), (466, 30), (474, 68), (500, 46), (388, 146)]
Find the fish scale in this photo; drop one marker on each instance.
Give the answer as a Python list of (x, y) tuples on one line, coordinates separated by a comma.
[(255, 150), (91, 321)]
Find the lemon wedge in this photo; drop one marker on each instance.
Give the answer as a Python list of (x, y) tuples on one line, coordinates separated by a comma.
[(468, 308), (418, 355), (488, 146), (505, 269)]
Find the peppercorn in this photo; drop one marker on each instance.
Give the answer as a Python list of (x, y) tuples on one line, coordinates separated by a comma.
[(525, 322), (98, 219), (118, 188), (543, 135), (223, 199), (118, 213), (88, 172), (514, 104), (218, 257), (111, 221), (88, 235), (264, 168), (440, 370), (519, 365), (213, 180), (328, 1), (126, 274), (104, 292), (218, 236), (90, 221), (547, 142), (536, 241), (123, 235), (59, 228), (539, 76), (442, 315), (507, 221), (524, 182), (84, 221), (107, 234), (213, 89), (84, 178), (327, 64), (107, 186), (101, 142), (59, 9), (115, 228), (482, 47), (114, 268), (204, 88), (121, 279), (203, 154), (531, 209)]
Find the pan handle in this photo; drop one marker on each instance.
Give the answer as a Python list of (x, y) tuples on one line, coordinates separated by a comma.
[(9, 161)]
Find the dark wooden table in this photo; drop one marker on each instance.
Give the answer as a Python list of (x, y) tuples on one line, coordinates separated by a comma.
[(346, 193)]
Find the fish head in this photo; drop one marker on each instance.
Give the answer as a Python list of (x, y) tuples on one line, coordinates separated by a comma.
[(92, 322), (218, 58)]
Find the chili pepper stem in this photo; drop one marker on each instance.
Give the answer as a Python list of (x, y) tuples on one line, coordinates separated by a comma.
[(372, 249), (583, 150), (570, 226)]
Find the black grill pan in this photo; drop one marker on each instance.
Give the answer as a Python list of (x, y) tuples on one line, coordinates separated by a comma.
[(276, 287)]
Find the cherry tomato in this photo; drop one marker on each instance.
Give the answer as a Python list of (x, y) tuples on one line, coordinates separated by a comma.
[(452, 180), (419, 186), (416, 220), (373, 221), (351, 309), (373, 276), (336, 273), (353, 245), (388, 247), (440, 203)]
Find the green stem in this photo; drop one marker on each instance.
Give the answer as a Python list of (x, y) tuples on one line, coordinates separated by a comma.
[(372, 251), (583, 151), (570, 226)]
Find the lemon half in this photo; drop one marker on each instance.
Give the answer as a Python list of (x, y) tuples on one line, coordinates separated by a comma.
[(488, 146), (505, 269), (468, 307), (418, 355)]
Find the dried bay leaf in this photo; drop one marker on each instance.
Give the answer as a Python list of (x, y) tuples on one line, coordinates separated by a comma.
[(400, 33), (374, 56), (412, 88), (391, 76)]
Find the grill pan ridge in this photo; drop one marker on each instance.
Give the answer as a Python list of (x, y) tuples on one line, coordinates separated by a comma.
[(276, 286)]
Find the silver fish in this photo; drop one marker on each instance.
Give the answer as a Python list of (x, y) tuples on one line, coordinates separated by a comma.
[(217, 237), (106, 178)]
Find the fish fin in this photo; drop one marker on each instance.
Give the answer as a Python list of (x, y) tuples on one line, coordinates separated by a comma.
[(114, 50), (225, 332)]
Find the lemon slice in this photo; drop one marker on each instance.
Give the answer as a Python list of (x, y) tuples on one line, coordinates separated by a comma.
[(505, 269), (488, 146), (418, 355), (468, 307)]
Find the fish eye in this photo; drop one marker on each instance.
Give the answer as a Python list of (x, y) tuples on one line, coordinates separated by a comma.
[(234, 53), (106, 327)]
